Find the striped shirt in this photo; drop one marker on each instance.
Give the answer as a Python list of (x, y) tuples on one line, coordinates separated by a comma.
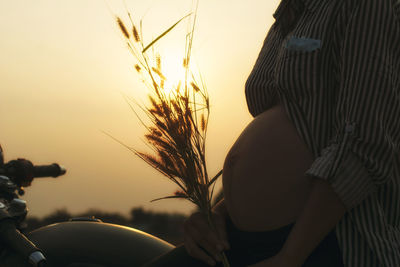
[(335, 67)]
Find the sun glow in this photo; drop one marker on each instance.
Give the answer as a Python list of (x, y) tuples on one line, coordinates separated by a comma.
[(173, 70)]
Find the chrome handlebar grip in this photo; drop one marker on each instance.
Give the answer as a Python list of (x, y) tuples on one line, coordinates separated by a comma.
[(36, 258)]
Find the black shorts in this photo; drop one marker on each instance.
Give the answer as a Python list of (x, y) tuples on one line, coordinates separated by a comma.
[(248, 248)]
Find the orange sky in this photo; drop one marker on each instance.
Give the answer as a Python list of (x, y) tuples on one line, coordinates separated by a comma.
[(63, 69)]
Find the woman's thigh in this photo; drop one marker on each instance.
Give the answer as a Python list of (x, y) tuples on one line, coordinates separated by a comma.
[(325, 255), (177, 257), (251, 247)]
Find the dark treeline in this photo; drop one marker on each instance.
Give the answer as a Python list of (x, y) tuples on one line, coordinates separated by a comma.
[(164, 225), (167, 226)]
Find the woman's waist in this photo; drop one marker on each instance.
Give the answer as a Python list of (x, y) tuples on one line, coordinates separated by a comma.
[(238, 234), (265, 242)]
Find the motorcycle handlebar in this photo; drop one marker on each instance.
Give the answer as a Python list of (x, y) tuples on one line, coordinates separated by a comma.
[(22, 171), (52, 170)]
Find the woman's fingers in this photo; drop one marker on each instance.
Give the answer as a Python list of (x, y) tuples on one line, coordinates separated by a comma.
[(196, 252), (198, 222), (210, 235), (201, 241), (204, 238), (220, 224)]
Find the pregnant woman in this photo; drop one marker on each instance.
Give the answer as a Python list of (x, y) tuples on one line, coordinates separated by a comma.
[(314, 178)]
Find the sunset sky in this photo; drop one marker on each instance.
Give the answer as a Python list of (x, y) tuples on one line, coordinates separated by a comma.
[(64, 68)]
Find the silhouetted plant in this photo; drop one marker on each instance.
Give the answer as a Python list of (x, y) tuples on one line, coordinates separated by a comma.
[(179, 121)]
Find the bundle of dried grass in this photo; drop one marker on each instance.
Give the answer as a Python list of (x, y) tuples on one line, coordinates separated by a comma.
[(179, 120)]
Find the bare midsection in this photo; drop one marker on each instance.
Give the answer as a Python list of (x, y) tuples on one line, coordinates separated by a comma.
[(263, 177)]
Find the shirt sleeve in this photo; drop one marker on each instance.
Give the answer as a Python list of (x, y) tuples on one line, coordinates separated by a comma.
[(361, 155)]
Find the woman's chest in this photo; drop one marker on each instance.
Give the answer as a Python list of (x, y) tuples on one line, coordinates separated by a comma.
[(299, 54)]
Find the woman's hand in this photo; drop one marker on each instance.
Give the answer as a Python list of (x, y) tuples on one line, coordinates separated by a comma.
[(198, 236), (275, 261)]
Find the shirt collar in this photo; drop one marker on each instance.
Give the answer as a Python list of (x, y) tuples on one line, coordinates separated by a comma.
[(310, 5)]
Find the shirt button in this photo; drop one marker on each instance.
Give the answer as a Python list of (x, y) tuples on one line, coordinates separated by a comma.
[(350, 128)]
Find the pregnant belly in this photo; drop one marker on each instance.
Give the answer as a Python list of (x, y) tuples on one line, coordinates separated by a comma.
[(263, 175)]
